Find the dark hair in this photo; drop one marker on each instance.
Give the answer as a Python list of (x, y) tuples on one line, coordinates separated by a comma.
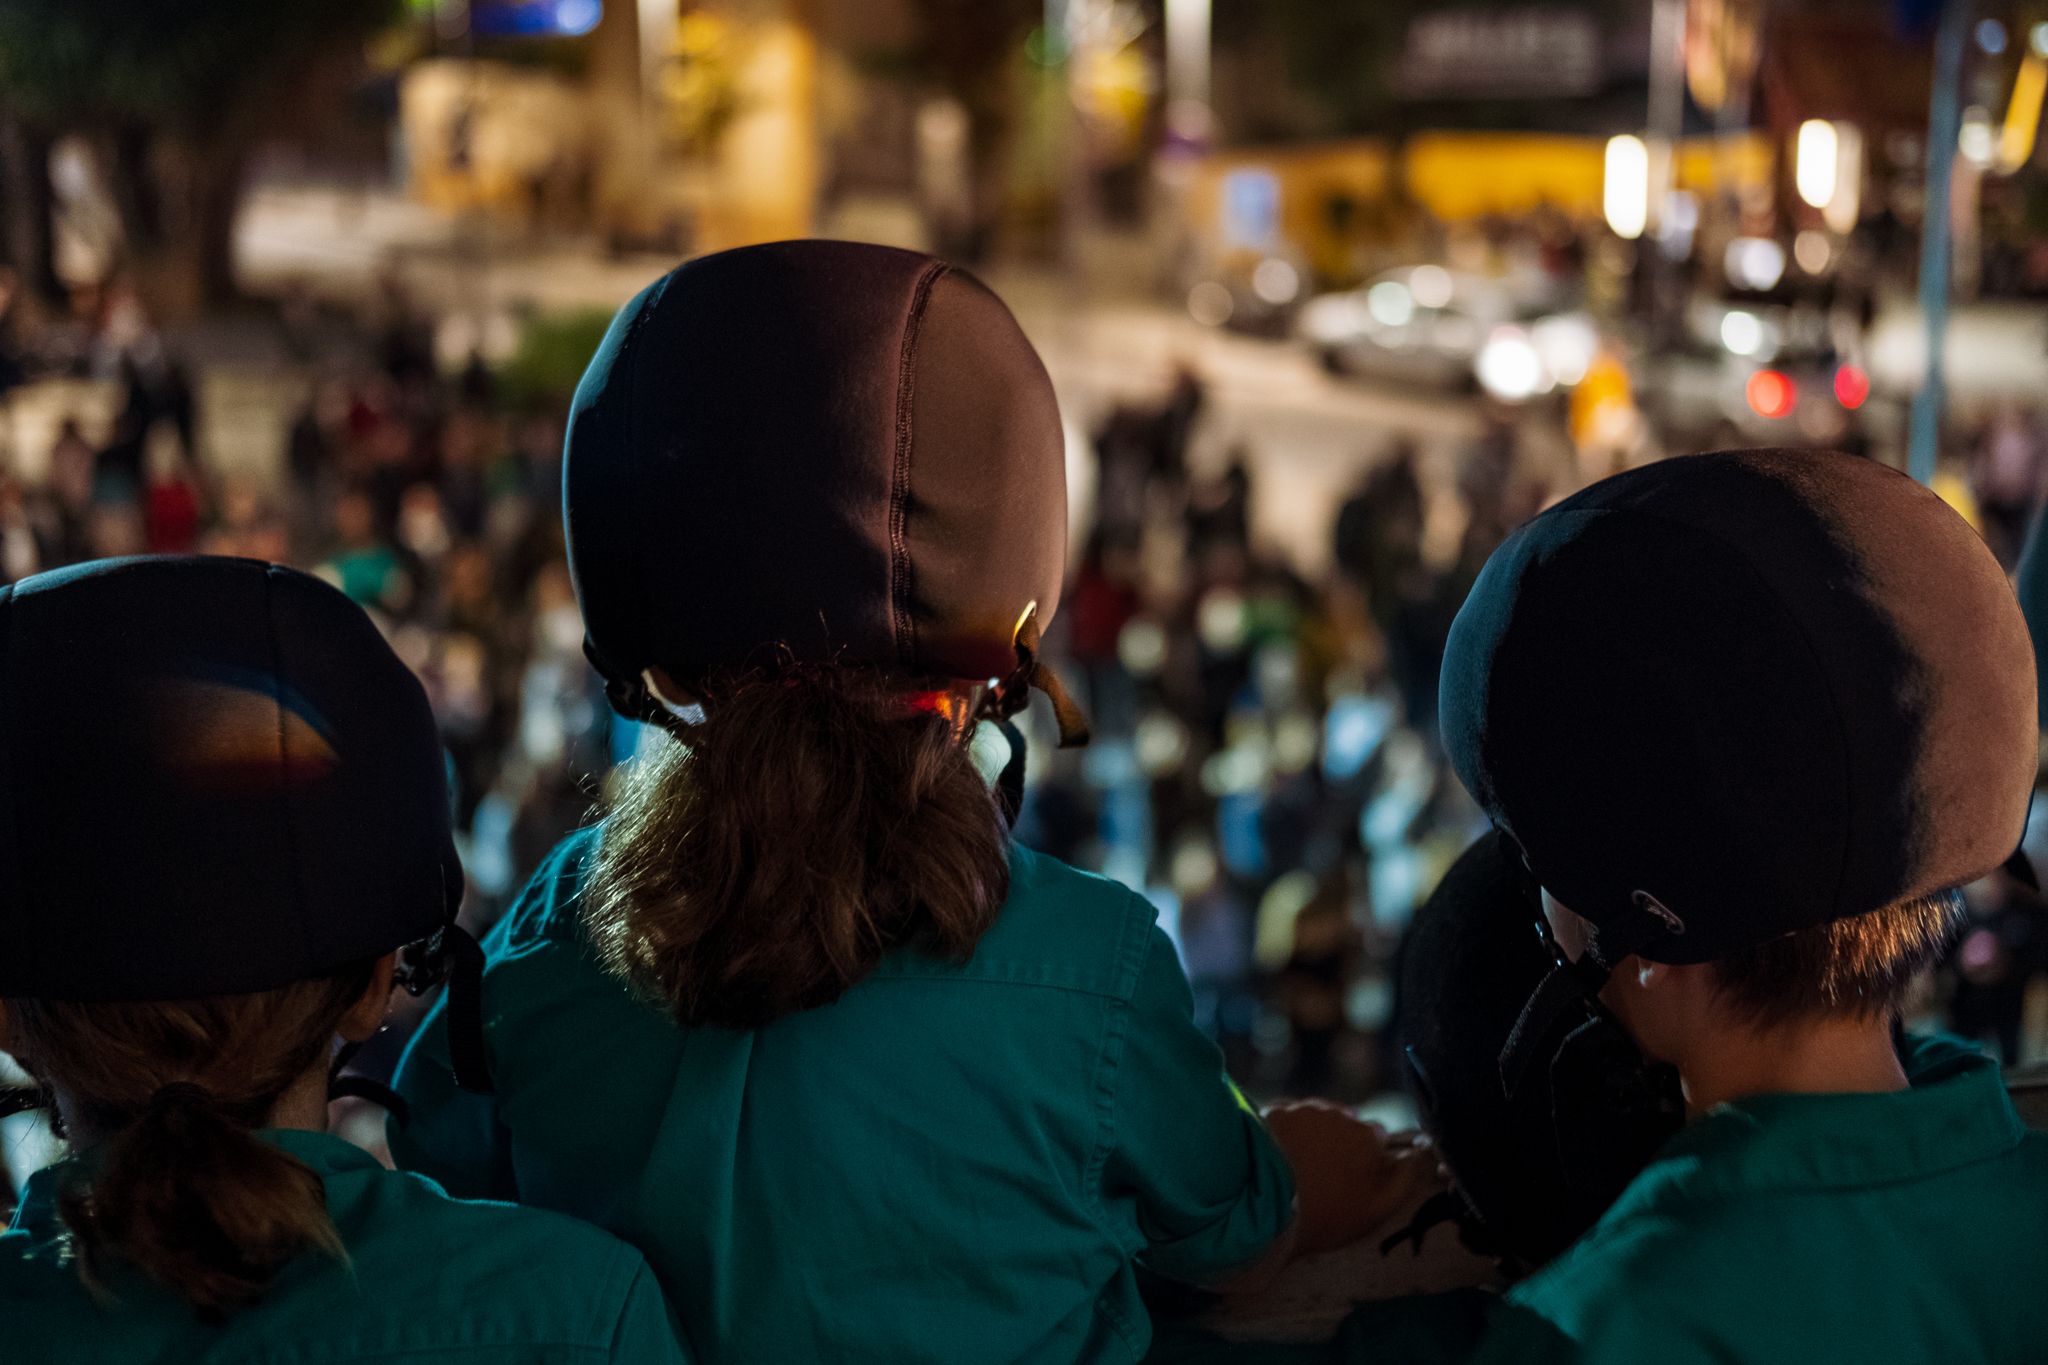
[(1858, 967), (163, 1096), (810, 823)]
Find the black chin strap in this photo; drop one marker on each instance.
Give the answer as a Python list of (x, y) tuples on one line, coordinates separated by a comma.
[(450, 955), (453, 956), (466, 1012), (343, 1084), (1571, 988)]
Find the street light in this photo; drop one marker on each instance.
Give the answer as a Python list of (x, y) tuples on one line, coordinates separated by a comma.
[(1815, 162), (1625, 198), (1845, 205), (1187, 52)]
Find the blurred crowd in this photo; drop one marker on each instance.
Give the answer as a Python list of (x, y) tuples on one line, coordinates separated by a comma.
[(1265, 766), (1266, 763)]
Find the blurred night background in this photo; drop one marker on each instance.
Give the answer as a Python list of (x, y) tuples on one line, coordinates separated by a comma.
[(1334, 293)]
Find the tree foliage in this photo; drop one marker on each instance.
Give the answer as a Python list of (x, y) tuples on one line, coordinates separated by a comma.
[(191, 66), (174, 95)]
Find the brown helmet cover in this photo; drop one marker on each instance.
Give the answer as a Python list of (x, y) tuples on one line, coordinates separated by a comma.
[(1729, 696), (814, 452)]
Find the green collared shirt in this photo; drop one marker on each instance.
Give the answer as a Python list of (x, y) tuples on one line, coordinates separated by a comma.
[(954, 1162), (429, 1280), (1856, 1228), (1861, 1229)]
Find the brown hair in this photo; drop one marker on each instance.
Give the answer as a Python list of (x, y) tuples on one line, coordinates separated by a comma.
[(162, 1096), (808, 825), (1859, 967)]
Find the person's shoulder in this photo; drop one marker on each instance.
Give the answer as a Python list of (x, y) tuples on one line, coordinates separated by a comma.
[(1059, 927), (557, 1289), (548, 909), (554, 1276), (1616, 1283)]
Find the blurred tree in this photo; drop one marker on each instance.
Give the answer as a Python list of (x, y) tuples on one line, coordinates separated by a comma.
[(553, 350), (27, 244), (967, 50), (175, 96)]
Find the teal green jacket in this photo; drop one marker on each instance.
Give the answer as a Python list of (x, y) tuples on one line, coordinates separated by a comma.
[(1863, 1229), (429, 1280), (952, 1163)]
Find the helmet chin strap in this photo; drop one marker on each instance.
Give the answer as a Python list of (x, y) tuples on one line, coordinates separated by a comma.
[(1009, 695), (1572, 987)]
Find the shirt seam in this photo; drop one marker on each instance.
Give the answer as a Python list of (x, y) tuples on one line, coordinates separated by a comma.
[(1107, 1074), (1107, 1068)]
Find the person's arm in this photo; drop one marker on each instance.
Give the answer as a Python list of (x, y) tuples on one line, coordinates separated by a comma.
[(648, 1332), (450, 1135), (1350, 1176), (1213, 1191), (454, 1136)]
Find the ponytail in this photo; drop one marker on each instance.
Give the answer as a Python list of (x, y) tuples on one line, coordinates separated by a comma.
[(197, 1202), (810, 824), (170, 1179)]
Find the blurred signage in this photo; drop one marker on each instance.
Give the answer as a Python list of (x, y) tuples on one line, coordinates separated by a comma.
[(1251, 208), (534, 18), (1495, 53)]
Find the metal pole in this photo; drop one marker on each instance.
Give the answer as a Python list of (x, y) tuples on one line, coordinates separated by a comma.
[(1943, 117), (1667, 101), (1187, 52)]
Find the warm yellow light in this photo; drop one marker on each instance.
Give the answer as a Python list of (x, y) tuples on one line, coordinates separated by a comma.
[(1814, 162), (2023, 115), (1625, 198)]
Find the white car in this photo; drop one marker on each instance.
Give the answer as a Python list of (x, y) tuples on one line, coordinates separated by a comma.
[(1431, 326)]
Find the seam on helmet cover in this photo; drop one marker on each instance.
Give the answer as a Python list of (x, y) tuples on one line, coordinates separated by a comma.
[(901, 623)]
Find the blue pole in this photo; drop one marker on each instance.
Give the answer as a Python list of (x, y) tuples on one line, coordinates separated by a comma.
[(1943, 117)]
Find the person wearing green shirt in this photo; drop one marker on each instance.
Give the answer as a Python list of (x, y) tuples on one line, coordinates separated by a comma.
[(224, 817), (865, 1080), (1748, 719)]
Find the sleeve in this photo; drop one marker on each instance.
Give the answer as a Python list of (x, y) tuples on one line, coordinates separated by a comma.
[(648, 1332), (451, 1136), (1212, 1188)]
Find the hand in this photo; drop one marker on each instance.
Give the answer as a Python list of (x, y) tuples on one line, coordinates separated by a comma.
[(1350, 1176)]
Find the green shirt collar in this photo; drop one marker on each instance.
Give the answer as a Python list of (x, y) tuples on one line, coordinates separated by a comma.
[(327, 1154), (1954, 1113)]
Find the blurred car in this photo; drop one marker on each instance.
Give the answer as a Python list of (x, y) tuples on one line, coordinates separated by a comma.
[(1247, 292), (1754, 373), (1429, 326)]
